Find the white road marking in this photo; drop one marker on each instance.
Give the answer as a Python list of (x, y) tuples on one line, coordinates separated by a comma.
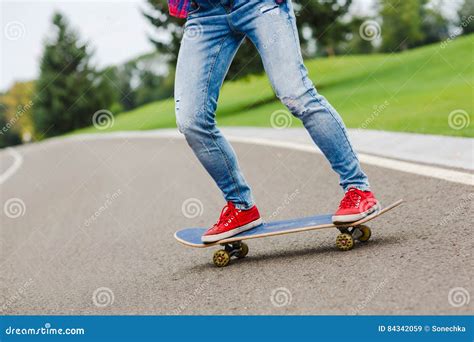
[(17, 161), (403, 166)]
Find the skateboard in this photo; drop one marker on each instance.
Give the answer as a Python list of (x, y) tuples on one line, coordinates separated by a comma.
[(234, 247)]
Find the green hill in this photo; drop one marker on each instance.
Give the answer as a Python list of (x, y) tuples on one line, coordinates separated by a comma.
[(414, 91)]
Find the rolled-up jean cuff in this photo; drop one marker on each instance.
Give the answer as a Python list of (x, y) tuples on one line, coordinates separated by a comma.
[(243, 206), (360, 187)]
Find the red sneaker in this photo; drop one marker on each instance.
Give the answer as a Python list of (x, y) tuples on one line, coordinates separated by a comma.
[(232, 222), (355, 205)]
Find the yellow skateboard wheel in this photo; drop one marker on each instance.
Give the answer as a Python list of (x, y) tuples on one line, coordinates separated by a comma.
[(366, 233), (244, 250), (344, 242), (221, 258)]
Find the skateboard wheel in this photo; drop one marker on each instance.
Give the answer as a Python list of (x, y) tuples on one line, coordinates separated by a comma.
[(344, 242), (221, 258), (244, 250), (366, 233)]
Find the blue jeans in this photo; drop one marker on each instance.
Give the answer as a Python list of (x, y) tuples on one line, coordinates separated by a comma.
[(213, 33)]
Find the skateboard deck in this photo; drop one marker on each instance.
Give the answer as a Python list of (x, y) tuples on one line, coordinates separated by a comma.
[(235, 247)]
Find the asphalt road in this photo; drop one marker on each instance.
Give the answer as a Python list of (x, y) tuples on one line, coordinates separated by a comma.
[(89, 226)]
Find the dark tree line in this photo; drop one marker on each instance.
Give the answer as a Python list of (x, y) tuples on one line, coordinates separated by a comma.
[(320, 21)]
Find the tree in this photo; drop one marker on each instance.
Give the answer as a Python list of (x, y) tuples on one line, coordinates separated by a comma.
[(402, 22), (168, 29), (153, 87), (466, 17), (139, 81), (321, 20), (69, 90), (364, 31), (120, 78), (435, 26), (17, 103), (168, 34), (9, 134)]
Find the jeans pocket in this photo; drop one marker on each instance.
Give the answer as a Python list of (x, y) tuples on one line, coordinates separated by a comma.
[(268, 8)]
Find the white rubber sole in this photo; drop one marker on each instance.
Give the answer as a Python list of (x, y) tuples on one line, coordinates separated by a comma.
[(338, 219), (230, 233)]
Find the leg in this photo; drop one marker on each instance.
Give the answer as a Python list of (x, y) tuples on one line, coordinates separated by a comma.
[(275, 35), (207, 49)]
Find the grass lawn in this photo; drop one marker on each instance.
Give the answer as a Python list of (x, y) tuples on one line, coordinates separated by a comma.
[(414, 91)]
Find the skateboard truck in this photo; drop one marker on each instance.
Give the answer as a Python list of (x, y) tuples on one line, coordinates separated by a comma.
[(222, 257)]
